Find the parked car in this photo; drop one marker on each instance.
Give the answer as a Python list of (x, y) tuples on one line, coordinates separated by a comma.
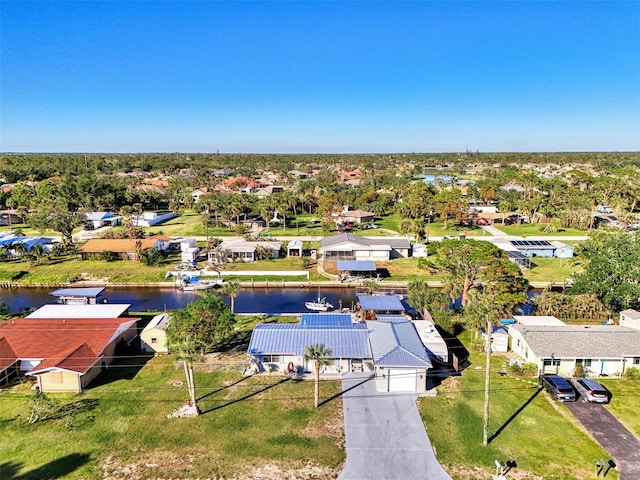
[(590, 390), (559, 388)]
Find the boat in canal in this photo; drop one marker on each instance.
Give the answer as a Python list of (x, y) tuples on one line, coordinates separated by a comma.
[(320, 305)]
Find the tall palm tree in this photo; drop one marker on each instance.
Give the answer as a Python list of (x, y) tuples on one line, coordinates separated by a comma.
[(230, 289), (318, 354)]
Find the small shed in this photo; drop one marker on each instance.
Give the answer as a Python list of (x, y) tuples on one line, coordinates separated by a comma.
[(294, 249), (153, 338), (562, 250), (499, 338), (630, 318)]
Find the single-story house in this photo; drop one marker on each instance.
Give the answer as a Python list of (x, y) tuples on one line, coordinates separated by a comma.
[(400, 359), (103, 219), (389, 347), (150, 219), (126, 248), (153, 338), (543, 248), (347, 246), (263, 192), (355, 216), (600, 349), (27, 243), (630, 318), (93, 310), (68, 357), (280, 347), (241, 250)]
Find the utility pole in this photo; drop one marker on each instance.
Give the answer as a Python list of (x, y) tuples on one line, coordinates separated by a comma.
[(487, 379)]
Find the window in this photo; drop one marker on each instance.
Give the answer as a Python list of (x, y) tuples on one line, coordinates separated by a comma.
[(636, 360), (585, 362), (552, 362), (154, 340), (272, 359)]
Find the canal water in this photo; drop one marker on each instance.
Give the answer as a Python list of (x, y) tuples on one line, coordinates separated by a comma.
[(143, 299)]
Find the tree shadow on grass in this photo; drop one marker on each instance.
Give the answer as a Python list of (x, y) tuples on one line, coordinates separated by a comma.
[(223, 388), (341, 393), (514, 415), (120, 369), (245, 397), (55, 469)]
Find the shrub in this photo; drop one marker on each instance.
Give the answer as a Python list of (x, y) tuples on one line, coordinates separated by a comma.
[(632, 373), (529, 369), (578, 371)]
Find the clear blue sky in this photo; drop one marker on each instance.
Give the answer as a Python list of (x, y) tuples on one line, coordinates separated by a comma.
[(272, 77)]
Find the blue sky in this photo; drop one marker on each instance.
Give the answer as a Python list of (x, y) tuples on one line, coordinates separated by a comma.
[(325, 77)]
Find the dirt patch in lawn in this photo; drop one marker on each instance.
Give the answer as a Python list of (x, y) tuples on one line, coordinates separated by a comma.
[(476, 473)]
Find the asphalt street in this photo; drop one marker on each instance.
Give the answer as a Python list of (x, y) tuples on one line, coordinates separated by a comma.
[(385, 435)]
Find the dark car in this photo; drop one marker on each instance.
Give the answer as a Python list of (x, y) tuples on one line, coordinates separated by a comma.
[(590, 390), (559, 388)]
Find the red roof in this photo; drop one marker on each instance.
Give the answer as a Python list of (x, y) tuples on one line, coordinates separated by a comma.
[(71, 343)]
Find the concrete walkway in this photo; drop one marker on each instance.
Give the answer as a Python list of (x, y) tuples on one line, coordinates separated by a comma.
[(385, 435)]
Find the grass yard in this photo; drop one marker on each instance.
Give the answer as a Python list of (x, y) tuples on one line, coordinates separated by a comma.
[(624, 401), (551, 269), (251, 427), (525, 426), (537, 229)]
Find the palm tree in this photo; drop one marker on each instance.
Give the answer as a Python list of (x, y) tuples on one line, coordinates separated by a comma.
[(317, 353), (230, 289)]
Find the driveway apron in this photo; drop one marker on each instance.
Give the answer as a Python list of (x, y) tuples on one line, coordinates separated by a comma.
[(385, 435), (614, 437)]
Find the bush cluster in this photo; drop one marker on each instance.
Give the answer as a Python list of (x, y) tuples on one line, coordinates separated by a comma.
[(632, 373), (524, 370)]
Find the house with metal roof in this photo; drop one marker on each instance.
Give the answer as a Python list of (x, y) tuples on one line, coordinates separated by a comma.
[(390, 347), (82, 310), (600, 349), (79, 296), (348, 246), (63, 354), (401, 360), (280, 347), (242, 250), (103, 219)]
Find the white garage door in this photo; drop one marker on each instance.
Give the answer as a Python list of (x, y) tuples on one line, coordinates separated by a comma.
[(402, 380)]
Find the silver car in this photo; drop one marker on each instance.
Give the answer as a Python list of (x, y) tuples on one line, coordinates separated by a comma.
[(590, 390)]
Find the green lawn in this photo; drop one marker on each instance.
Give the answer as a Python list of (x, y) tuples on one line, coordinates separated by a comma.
[(624, 401), (249, 426), (551, 269), (541, 436), (537, 229)]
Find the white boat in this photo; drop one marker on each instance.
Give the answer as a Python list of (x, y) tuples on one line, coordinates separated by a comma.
[(200, 285), (320, 305)]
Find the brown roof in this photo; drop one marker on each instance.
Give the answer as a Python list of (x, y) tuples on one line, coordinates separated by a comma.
[(70, 343), (120, 245)]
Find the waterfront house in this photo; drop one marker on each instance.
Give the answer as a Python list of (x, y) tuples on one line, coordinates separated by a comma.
[(241, 250), (68, 357), (347, 246), (125, 248)]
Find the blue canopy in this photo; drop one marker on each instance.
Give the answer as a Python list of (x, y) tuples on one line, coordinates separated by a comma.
[(356, 265)]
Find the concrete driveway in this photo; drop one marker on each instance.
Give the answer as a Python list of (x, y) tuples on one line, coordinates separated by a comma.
[(385, 435), (614, 437)]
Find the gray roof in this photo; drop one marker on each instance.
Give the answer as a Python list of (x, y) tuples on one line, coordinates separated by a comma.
[(380, 303), (291, 339), (397, 345), (631, 313), (357, 265), (580, 341)]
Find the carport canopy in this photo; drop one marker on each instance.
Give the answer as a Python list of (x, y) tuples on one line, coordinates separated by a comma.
[(356, 266)]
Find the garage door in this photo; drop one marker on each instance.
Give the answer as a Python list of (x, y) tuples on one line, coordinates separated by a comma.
[(402, 380)]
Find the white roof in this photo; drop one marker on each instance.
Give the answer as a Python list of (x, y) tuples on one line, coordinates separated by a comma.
[(431, 338), (100, 310), (159, 321), (538, 320)]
